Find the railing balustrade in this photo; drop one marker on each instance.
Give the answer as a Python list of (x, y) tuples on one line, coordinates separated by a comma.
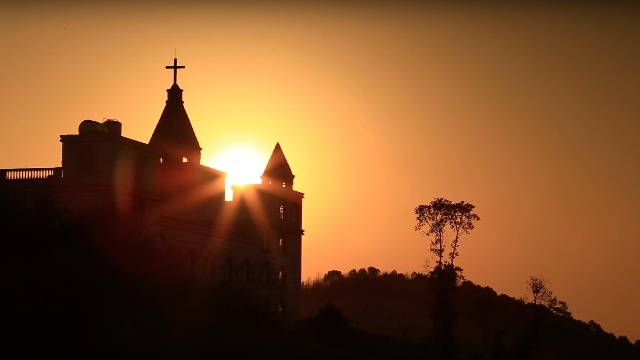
[(30, 173)]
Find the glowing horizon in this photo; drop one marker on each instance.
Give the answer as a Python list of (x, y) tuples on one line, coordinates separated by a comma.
[(528, 112)]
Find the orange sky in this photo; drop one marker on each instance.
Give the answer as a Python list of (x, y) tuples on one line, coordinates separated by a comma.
[(531, 113)]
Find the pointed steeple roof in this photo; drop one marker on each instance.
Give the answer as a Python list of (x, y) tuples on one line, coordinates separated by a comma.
[(278, 170), (174, 135)]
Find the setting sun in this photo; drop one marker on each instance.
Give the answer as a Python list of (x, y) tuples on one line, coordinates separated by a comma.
[(243, 164), (525, 110)]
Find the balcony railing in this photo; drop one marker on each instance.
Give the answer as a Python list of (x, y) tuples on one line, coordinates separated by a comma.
[(31, 173)]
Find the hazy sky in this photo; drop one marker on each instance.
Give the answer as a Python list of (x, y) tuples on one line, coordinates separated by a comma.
[(529, 112)]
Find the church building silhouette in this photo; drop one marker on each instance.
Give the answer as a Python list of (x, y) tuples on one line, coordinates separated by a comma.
[(251, 243)]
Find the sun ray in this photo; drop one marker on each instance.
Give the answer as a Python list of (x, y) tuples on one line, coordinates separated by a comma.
[(243, 164)]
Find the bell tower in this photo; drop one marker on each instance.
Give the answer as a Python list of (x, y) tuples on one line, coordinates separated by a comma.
[(268, 216), (284, 206), (278, 173), (174, 135)]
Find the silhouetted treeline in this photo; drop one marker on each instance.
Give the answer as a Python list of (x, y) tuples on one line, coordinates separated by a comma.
[(100, 288), (487, 325)]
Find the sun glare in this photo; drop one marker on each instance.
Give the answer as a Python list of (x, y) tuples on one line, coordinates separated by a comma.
[(243, 164)]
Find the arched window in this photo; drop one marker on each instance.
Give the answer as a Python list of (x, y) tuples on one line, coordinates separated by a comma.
[(281, 279), (281, 211)]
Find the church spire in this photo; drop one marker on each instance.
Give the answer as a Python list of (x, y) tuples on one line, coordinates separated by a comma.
[(174, 135), (278, 172)]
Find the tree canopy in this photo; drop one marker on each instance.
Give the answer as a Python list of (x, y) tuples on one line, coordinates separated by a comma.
[(542, 295), (439, 216)]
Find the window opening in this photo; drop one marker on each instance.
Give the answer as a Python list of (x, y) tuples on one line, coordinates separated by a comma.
[(281, 279)]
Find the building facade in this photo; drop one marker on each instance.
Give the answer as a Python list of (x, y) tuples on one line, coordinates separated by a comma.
[(251, 243)]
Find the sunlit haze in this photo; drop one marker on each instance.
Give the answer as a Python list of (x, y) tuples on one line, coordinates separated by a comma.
[(242, 163), (529, 112)]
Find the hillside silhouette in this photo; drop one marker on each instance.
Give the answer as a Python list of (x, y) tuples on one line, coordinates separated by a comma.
[(488, 325), (97, 289)]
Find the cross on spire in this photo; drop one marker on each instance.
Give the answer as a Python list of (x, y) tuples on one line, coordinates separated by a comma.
[(175, 68)]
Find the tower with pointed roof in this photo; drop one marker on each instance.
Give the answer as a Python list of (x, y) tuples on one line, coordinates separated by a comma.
[(273, 210), (278, 172), (174, 136)]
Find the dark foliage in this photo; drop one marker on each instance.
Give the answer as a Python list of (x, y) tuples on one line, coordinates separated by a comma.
[(442, 285), (329, 335), (541, 294), (485, 324), (100, 289)]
